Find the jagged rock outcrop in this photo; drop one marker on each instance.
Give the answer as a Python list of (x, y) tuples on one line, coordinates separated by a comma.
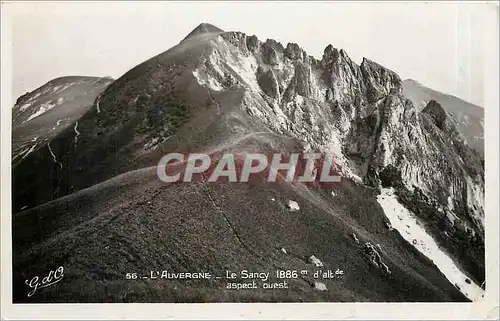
[(294, 52), (360, 113), (379, 80), (342, 77), (272, 52), (468, 118), (268, 82), (436, 111)]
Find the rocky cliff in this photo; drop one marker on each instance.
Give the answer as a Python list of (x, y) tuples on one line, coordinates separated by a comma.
[(359, 112)]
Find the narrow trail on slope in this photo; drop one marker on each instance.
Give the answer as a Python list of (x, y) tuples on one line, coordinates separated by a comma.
[(54, 156), (97, 104), (76, 132)]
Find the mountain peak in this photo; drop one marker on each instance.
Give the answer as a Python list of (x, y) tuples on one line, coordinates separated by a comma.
[(226, 93), (203, 27)]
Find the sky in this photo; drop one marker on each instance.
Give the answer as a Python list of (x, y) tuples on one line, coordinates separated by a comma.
[(441, 45)]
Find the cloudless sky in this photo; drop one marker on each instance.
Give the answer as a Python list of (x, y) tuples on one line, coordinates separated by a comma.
[(438, 44)]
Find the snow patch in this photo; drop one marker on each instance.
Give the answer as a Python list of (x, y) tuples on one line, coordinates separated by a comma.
[(407, 225), (26, 152), (57, 124), (152, 144), (206, 80), (24, 107), (60, 88), (43, 108), (38, 94)]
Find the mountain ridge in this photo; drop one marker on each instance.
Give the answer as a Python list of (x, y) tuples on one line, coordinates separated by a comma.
[(219, 90), (416, 82), (469, 117)]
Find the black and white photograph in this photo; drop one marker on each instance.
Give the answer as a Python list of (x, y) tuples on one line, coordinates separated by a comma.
[(250, 152)]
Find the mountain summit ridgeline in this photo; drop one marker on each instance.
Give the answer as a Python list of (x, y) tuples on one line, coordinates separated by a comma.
[(86, 195)]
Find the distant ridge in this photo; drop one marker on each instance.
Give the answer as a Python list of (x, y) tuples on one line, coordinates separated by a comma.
[(469, 117)]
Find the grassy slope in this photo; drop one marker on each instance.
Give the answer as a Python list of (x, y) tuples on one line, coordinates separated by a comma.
[(134, 224), (111, 141)]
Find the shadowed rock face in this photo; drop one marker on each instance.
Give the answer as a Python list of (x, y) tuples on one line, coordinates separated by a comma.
[(219, 91), (294, 52), (436, 111), (268, 82)]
